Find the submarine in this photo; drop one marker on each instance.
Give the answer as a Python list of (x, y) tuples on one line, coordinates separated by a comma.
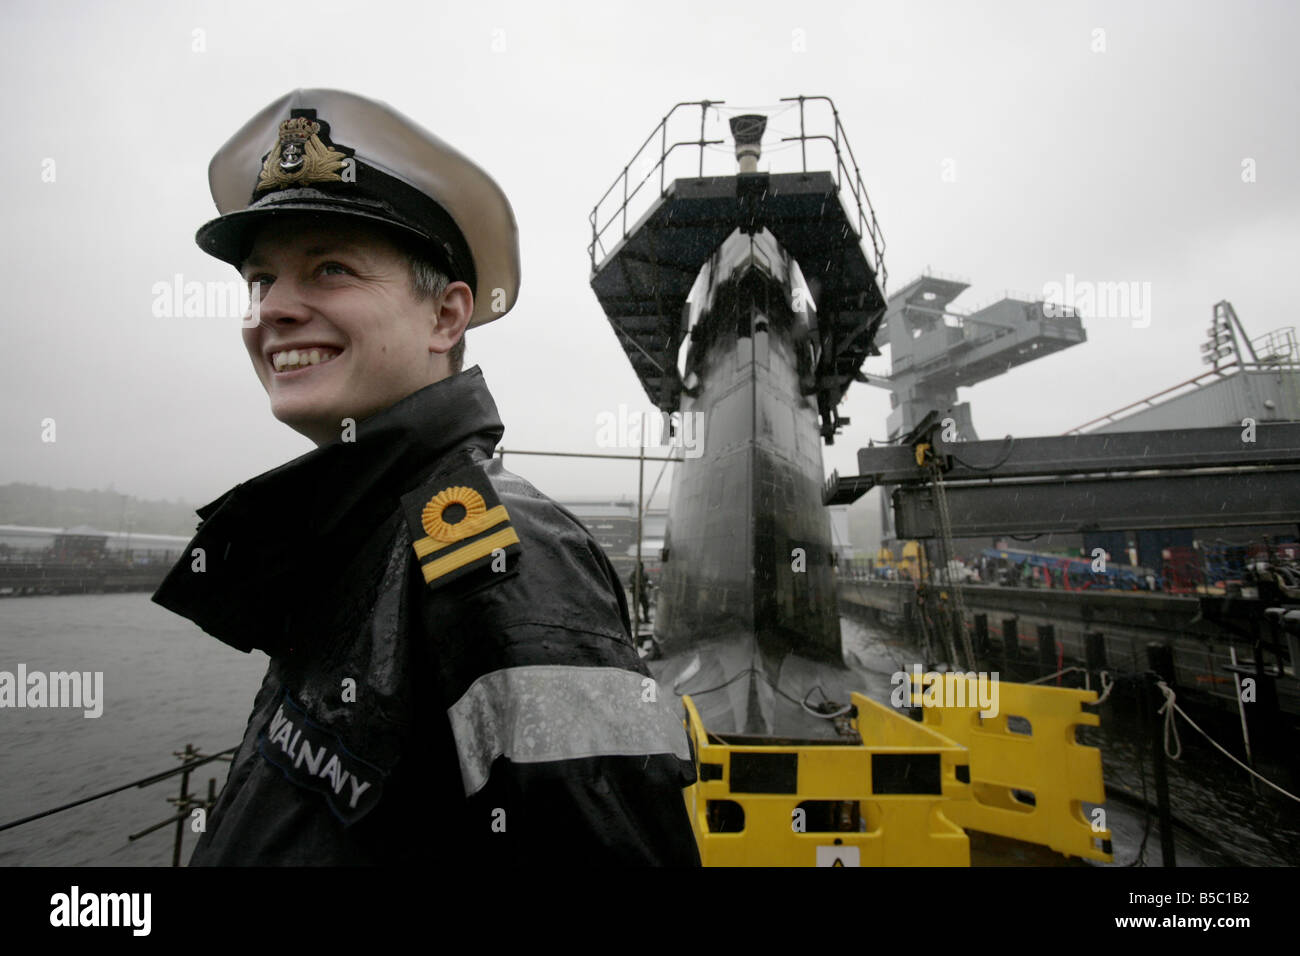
[(747, 303)]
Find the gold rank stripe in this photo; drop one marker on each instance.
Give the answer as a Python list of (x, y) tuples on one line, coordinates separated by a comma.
[(468, 528), (468, 554)]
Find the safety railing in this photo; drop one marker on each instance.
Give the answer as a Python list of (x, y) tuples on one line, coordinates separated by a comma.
[(190, 809), (1277, 347), (867, 224), (628, 195), (1182, 388), (630, 192)]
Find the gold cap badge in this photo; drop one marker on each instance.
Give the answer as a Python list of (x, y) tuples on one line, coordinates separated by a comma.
[(300, 157)]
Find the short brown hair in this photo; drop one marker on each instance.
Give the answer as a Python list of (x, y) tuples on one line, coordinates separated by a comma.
[(428, 282)]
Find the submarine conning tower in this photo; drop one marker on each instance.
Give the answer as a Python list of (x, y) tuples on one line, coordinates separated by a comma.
[(747, 303)]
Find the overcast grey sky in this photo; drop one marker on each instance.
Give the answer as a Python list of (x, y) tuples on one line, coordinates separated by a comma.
[(1121, 163)]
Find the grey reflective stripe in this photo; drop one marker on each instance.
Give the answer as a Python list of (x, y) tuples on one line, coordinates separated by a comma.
[(555, 712)]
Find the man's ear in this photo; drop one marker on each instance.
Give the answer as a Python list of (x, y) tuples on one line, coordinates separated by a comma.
[(455, 307)]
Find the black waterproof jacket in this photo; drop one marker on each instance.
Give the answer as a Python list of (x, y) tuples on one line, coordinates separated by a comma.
[(452, 675)]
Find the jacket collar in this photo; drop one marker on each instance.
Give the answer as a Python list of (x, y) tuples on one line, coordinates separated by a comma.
[(393, 445), (315, 511)]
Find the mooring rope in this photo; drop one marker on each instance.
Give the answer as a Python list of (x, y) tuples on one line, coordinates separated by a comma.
[(1107, 685), (1171, 706)]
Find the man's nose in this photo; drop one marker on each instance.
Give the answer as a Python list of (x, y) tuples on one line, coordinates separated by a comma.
[(280, 302)]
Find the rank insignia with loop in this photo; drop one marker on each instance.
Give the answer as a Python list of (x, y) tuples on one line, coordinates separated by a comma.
[(459, 528)]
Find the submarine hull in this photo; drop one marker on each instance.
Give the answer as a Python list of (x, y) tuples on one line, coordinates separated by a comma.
[(747, 579)]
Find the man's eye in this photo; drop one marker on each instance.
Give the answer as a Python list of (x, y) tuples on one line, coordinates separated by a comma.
[(342, 270), (260, 280)]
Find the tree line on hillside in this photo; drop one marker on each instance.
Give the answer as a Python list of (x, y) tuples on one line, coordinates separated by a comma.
[(44, 507)]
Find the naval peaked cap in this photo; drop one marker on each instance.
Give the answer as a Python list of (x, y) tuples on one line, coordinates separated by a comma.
[(336, 153)]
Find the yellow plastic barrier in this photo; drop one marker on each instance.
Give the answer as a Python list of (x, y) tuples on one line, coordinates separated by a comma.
[(1047, 762), (811, 803)]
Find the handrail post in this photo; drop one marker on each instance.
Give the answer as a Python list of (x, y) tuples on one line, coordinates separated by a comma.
[(639, 587), (663, 152), (862, 219), (182, 804), (803, 140), (839, 161), (704, 113), (624, 202)]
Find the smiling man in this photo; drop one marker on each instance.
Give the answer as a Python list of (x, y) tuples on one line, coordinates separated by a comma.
[(452, 675), (382, 334)]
